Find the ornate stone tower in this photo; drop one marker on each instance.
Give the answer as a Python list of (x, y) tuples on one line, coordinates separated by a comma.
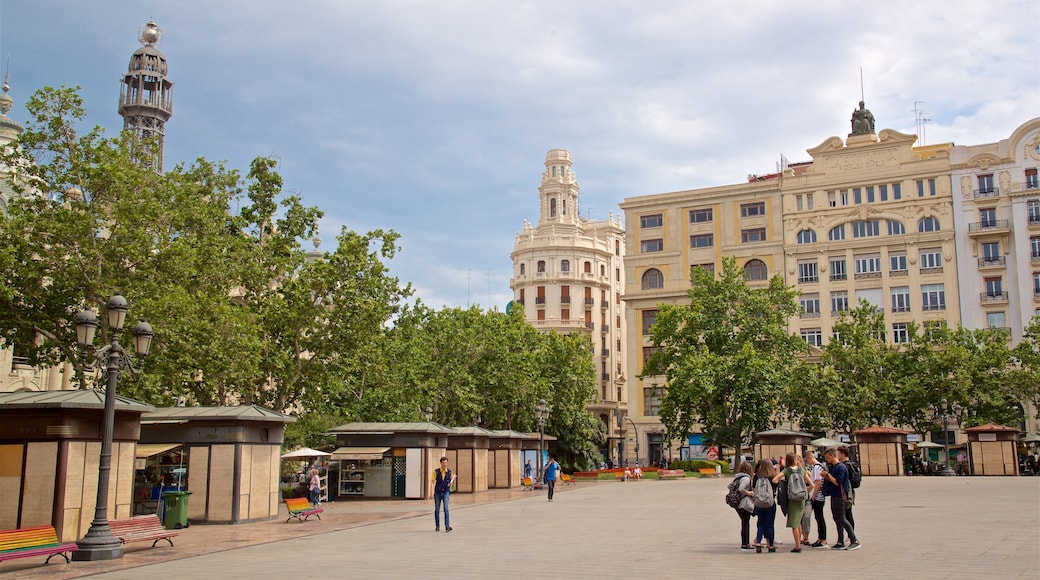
[(146, 95)]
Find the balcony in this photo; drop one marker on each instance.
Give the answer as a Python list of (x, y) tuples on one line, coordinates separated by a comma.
[(898, 273), (901, 308), (815, 314), (988, 227), (988, 192), (992, 262), (604, 328), (606, 376), (565, 299), (589, 325), (1034, 220), (604, 305), (605, 353), (539, 300), (808, 279), (993, 297), (839, 276), (838, 313), (590, 302), (866, 275)]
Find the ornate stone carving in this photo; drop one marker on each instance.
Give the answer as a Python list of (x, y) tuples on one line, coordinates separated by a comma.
[(1005, 181), (965, 187)]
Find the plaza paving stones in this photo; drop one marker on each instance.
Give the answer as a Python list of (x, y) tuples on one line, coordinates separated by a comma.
[(910, 527)]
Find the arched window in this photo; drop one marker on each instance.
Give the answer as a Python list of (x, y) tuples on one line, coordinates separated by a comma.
[(523, 268), (807, 237), (565, 265), (602, 270), (554, 171), (837, 233), (552, 207), (755, 270), (928, 224), (541, 265), (653, 279), (588, 267), (565, 207)]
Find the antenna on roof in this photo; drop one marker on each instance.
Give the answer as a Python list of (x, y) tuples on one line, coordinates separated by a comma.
[(919, 121)]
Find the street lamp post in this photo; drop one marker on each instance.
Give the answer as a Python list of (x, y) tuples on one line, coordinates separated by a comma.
[(541, 412), (99, 543), (944, 411), (621, 435)]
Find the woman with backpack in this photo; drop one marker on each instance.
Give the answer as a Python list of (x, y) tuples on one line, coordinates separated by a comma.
[(764, 494), (745, 505), (798, 484)]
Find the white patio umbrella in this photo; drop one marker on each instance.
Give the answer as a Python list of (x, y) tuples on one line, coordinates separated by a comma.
[(825, 442), (305, 453), (928, 445)]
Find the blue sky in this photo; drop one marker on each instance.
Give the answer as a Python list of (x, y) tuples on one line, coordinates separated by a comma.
[(433, 118)]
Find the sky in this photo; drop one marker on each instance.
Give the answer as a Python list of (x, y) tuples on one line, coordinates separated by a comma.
[(433, 118)]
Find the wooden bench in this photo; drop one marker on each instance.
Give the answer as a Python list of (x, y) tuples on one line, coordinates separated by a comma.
[(566, 479), (671, 473), (141, 529), (529, 484), (29, 542), (301, 509), (708, 472)]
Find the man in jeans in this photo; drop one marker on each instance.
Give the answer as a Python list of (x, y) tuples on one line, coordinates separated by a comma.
[(440, 489), (835, 485)]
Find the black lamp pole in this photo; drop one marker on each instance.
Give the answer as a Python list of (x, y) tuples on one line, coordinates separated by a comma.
[(99, 543), (944, 411), (541, 411)]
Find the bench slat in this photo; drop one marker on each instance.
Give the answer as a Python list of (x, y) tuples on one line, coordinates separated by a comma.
[(141, 528), (28, 542)]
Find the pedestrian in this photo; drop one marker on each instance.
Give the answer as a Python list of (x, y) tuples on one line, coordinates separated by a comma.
[(843, 457), (836, 486), (441, 483), (746, 506), (552, 469), (527, 469), (315, 487), (798, 484), (764, 493), (638, 472), (817, 502)]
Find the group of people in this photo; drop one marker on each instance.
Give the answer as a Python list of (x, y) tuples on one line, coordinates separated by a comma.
[(803, 485)]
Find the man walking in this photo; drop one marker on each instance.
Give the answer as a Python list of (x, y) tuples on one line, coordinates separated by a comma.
[(551, 470), (836, 485), (440, 489)]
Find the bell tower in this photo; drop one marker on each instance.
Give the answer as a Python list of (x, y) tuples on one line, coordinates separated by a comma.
[(559, 190), (146, 94)]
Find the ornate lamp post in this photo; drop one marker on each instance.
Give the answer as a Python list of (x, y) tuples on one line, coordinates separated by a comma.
[(944, 411), (99, 543), (541, 412), (621, 435)]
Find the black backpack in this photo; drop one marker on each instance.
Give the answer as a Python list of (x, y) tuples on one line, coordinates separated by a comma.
[(734, 495), (855, 474)]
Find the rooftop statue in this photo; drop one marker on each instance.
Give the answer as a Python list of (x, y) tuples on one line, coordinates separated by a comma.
[(862, 121)]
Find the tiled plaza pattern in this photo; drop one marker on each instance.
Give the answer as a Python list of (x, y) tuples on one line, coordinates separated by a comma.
[(910, 527)]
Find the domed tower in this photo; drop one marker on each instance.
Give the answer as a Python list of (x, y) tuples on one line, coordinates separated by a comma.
[(146, 95), (559, 189)]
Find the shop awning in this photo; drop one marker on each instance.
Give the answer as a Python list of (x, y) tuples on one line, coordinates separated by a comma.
[(359, 453), (150, 449)]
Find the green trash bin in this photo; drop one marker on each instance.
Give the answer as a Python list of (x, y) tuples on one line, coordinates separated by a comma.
[(175, 509)]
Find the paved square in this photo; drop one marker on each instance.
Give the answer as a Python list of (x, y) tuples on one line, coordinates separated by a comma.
[(910, 527)]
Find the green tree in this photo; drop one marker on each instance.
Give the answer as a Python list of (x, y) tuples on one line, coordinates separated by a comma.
[(727, 355), (1025, 379)]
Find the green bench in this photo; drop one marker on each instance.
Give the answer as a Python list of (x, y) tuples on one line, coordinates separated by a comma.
[(29, 542)]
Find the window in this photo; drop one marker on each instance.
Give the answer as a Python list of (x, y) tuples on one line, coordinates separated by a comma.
[(1033, 210), (900, 333), (897, 262), (565, 297), (523, 268), (866, 229), (986, 183), (995, 320), (649, 351), (1034, 247), (857, 195), (650, 221), (883, 192), (541, 266), (830, 199), (896, 228), (552, 208), (653, 279), (809, 200), (897, 191), (1031, 179), (867, 265), (844, 197), (990, 254), (994, 287), (655, 245), (900, 299), (700, 216), (753, 209), (925, 184), (931, 259), (652, 399), (928, 224), (870, 194), (806, 237), (753, 235), (933, 297), (873, 296), (709, 267), (839, 301), (565, 265), (988, 217), (649, 318), (837, 233), (702, 241), (798, 202), (808, 272), (1036, 283), (812, 336), (588, 267), (838, 271), (810, 304), (602, 270), (540, 297), (755, 270), (617, 274)]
